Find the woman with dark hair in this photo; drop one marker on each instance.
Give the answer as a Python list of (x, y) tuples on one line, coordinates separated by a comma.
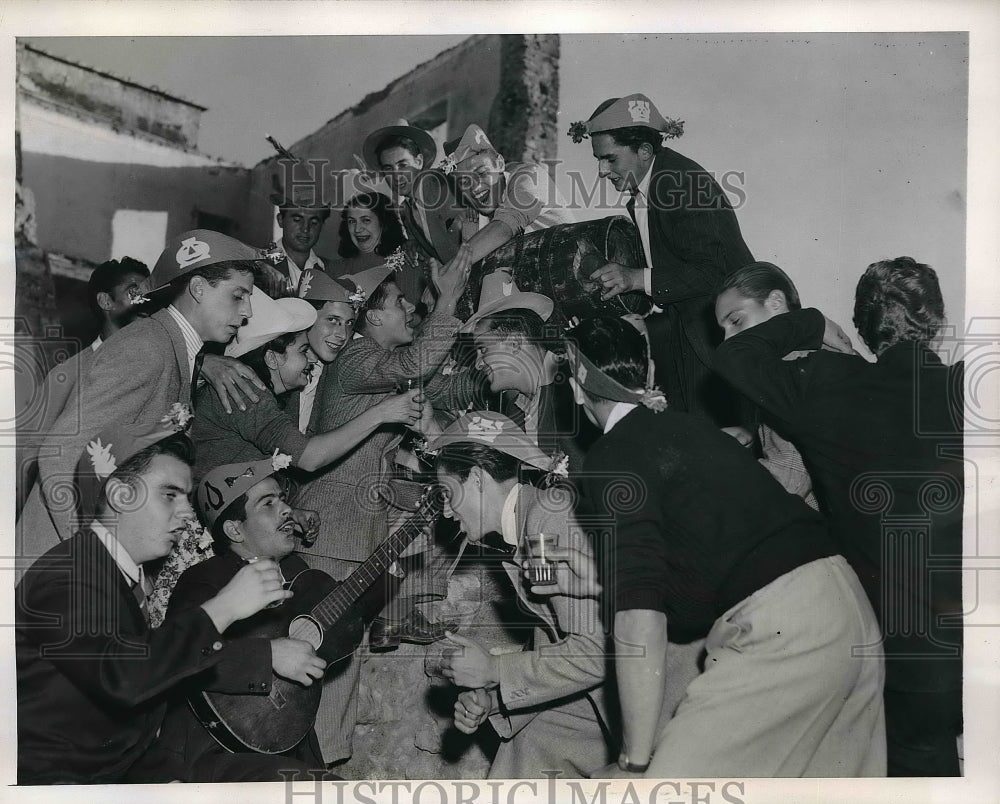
[(883, 442), (371, 234), (704, 545), (274, 343), (546, 704)]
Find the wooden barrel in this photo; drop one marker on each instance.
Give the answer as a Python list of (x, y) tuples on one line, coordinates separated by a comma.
[(557, 262)]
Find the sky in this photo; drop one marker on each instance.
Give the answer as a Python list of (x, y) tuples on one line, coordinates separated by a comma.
[(313, 78)]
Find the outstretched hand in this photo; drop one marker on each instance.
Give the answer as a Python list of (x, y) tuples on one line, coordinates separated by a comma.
[(449, 280)]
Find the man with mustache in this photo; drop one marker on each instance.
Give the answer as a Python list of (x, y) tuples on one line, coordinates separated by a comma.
[(244, 506), (91, 674)]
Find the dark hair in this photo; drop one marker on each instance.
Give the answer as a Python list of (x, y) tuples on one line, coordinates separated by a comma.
[(458, 459), (283, 208), (107, 276), (635, 136), (758, 279), (178, 446), (898, 300), (397, 141), (375, 301), (615, 347), (255, 358), (516, 321), (392, 230), (213, 274)]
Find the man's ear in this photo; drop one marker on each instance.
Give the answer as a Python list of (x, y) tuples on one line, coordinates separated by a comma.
[(501, 163), (476, 476), (232, 530), (419, 160), (372, 318), (776, 302), (516, 341), (196, 288), (279, 218), (645, 152), (104, 301)]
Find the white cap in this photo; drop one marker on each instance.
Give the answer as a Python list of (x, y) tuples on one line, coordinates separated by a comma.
[(270, 319)]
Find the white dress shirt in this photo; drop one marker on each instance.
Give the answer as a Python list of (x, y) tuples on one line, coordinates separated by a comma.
[(618, 412), (192, 340)]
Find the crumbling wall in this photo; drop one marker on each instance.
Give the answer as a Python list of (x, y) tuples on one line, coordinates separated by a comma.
[(523, 118)]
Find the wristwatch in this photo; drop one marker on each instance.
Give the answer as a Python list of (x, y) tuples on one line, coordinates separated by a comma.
[(631, 767)]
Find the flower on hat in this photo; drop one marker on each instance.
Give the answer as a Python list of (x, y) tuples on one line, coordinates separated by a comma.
[(357, 298), (178, 416), (101, 459), (272, 253), (135, 296), (674, 129), (560, 464), (448, 164), (653, 398), (578, 131), (280, 461), (397, 260)]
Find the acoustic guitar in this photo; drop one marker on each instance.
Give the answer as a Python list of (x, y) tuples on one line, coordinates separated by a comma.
[(323, 613)]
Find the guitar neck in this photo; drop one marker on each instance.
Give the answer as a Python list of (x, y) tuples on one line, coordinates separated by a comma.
[(333, 607)]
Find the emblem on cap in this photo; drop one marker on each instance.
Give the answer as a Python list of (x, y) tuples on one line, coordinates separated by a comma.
[(639, 109), (486, 429), (191, 251)]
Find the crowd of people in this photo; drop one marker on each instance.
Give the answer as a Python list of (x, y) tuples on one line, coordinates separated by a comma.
[(719, 518)]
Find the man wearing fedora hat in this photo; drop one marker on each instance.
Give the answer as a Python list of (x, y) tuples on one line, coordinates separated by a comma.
[(243, 506), (476, 197), (508, 331), (690, 237), (302, 213), (91, 675), (399, 152), (206, 280)]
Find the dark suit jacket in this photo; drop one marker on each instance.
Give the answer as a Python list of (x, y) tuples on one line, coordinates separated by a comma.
[(91, 676), (694, 236), (883, 444), (185, 750)]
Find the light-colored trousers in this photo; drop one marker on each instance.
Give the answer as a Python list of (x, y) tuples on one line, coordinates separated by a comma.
[(781, 693)]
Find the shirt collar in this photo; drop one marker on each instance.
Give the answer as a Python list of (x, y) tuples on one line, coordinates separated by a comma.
[(508, 516), (125, 562), (192, 339), (97, 343), (311, 262), (642, 188), (618, 412)]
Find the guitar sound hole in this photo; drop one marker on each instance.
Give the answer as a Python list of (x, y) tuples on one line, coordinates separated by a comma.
[(306, 629)]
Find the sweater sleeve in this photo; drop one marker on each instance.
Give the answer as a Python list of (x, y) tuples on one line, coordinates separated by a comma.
[(752, 361), (369, 369), (631, 550)]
